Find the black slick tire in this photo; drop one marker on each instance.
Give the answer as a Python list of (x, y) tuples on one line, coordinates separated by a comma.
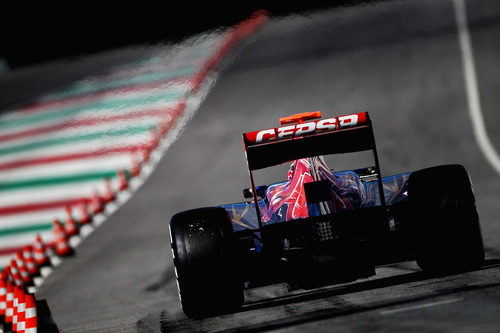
[(206, 262), (444, 223)]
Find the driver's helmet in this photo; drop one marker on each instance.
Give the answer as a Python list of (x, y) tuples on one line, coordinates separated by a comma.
[(291, 170)]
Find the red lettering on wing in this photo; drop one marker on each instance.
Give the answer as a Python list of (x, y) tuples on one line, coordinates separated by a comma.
[(303, 129)]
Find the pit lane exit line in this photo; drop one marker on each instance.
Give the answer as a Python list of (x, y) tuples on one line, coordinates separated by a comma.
[(472, 89)]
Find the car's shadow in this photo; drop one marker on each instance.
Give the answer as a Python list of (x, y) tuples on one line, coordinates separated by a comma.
[(358, 287), (246, 320)]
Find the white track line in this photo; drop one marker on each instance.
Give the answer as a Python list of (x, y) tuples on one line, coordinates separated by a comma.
[(420, 306), (472, 87)]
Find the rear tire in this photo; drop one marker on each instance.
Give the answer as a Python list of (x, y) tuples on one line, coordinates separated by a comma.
[(205, 260), (445, 228)]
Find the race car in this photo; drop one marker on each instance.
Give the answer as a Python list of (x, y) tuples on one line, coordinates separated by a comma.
[(320, 226)]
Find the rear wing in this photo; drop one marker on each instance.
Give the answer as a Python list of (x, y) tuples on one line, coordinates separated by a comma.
[(337, 135), (343, 134)]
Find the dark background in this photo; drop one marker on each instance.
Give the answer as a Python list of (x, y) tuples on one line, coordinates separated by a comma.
[(34, 33)]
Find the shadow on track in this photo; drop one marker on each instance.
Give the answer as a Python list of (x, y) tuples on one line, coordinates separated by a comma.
[(166, 277), (247, 320), (357, 287)]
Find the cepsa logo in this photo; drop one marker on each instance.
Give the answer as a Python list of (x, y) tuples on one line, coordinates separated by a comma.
[(314, 127)]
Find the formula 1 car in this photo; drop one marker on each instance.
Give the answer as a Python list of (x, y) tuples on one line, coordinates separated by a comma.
[(320, 227)]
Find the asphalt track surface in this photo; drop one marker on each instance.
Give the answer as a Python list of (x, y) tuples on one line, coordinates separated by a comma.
[(400, 61)]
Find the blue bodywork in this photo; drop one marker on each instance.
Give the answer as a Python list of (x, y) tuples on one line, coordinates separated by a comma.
[(361, 194)]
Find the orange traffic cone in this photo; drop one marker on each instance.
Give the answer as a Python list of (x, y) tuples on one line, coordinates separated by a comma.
[(145, 153), (30, 261), (154, 139), (15, 310), (109, 194), (83, 210), (8, 274), (122, 180), (20, 312), (23, 270), (96, 205), (30, 315), (70, 225), (18, 281), (61, 240), (40, 252), (135, 170), (3, 294), (9, 306)]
